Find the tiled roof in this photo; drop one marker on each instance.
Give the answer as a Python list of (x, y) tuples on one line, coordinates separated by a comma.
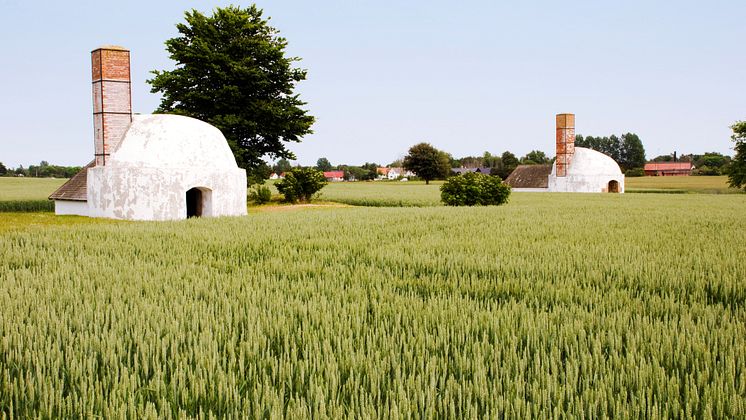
[(75, 188), (334, 174), (667, 166), (530, 176)]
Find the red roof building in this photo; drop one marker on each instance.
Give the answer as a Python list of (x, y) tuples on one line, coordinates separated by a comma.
[(334, 175), (668, 169)]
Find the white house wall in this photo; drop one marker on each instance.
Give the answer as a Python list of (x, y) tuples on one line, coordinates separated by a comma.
[(69, 207), (160, 194), (584, 183)]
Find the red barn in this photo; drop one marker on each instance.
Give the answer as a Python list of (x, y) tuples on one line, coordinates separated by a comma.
[(334, 175), (668, 169)]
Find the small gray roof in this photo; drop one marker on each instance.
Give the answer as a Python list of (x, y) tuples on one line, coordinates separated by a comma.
[(460, 171), (530, 176), (75, 188)]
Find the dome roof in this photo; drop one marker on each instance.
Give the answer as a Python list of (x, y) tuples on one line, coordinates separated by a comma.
[(590, 162), (172, 141)]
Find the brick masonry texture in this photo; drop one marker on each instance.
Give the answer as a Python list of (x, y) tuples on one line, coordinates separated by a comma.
[(565, 142), (112, 103)]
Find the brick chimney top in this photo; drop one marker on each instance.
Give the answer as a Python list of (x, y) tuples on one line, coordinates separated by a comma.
[(565, 142), (112, 103), (110, 47)]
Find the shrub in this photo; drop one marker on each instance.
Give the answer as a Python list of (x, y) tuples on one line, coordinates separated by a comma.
[(301, 184), (707, 171), (634, 172), (24, 206), (473, 188), (260, 194)]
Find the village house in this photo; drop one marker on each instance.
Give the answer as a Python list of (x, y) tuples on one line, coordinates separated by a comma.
[(396, 173), (334, 176), (668, 169)]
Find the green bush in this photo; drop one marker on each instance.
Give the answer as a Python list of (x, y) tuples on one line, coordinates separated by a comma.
[(474, 189), (260, 194), (707, 171), (301, 184), (23, 206), (634, 172)]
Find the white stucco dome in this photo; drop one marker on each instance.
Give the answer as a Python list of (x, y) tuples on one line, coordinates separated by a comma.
[(589, 171), (172, 141), (590, 162)]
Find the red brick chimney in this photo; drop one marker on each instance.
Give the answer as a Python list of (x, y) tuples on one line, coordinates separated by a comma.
[(112, 99), (565, 142)]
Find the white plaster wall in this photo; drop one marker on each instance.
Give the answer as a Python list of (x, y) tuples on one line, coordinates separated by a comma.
[(70, 207), (584, 183), (589, 172), (172, 141), (160, 193)]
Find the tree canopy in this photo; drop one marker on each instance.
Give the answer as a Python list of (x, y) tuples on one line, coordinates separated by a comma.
[(508, 162), (474, 189), (427, 162), (626, 150), (282, 165), (535, 157), (323, 164), (737, 175), (232, 72), (301, 184)]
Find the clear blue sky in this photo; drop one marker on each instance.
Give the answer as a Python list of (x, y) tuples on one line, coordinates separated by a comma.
[(467, 77)]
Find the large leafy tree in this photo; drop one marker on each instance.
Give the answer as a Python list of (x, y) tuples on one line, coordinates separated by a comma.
[(281, 166), (632, 153), (232, 72), (737, 174), (535, 157), (323, 164), (427, 162), (301, 184), (508, 162)]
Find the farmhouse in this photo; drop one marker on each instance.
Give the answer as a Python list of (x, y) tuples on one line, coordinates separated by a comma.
[(149, 167), (396, 173), (575, 169), (668, 169), (334, 176)]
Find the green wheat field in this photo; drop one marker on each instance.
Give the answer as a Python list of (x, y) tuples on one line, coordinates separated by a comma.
[(552, 306)]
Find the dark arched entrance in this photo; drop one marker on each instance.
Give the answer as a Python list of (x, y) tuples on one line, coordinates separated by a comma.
[(194, 202), (613, 186)]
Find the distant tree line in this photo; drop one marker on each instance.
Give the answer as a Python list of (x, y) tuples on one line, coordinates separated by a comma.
[(502, 165), (42, 170), (365, 172), (707, 164), (429, 163), (627, 150)]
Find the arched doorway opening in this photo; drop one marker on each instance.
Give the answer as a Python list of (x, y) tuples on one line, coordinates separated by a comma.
[(613, 186), (198, 202)]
